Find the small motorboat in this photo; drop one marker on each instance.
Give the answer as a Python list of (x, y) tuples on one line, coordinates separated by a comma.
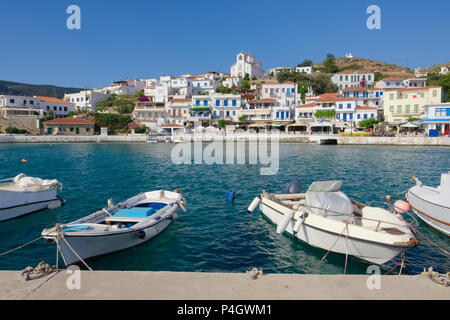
[(432, 205), (116, 227), (325, 217), (22, 195)]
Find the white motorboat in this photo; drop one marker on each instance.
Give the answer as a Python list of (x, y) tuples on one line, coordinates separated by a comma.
[(22, 195), (325, 217), (116, 227), (432, 205)]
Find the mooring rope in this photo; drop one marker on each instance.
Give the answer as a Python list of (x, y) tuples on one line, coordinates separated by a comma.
[(329, 250), (70, 247), (21, 246)]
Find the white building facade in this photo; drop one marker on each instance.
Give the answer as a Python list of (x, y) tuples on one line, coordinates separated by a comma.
[(246, 64)]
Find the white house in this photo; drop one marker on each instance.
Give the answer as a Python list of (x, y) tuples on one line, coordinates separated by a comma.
[(307, 70), (245, 63), (11, 105), (225, 106), (258, 109), (86, 99), (204, 86), (365, 112), (353, 78), (372, 97), (304, 113), (129, 87), (231, 82), (436, 118), (178, 110), (399, 83), (59, 107)]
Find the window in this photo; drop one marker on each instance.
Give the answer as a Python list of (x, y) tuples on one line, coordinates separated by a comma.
[(369, 77), (391, 109), (351, 116), (234, 113), (365, 116), (434, 93), (359, 116), (54, 108), (416, 108), (88, 129), (48, 107), (371, 115), (349, 105), (217, 103), (11, 101), (197, 103), (71, 129), (340, 106), (407, 108), (391, 96), (399, 109), (234, 103), (65, 108), (225, 103), (440, 112), (340, 78), (60, 108)]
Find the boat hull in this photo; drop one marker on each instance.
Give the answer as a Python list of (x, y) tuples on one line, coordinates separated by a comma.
[(96, 245), (14, 204), (436, 216), (376, 253)]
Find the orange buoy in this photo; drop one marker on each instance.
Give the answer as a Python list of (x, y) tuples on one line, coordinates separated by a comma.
[(176, 191), (388, 197), (401, 206), (23, 160)]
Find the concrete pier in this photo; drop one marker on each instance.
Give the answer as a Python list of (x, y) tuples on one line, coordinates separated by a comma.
[(131, 285)]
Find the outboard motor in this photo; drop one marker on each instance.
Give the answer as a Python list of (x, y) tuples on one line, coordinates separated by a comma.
[(295, 186)]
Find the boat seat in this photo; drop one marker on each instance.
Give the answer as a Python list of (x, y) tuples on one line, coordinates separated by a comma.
[(134, 212)]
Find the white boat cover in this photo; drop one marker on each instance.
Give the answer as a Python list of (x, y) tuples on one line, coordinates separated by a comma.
[(24, 182), (325, 199)]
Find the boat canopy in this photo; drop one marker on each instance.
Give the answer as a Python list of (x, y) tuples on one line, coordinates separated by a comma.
[(324, 198)]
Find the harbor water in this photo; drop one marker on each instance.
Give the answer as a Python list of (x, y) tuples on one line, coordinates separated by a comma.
[(214, 235)]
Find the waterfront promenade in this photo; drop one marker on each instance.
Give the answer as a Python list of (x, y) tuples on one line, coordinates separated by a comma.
[(131, 285), (289, 138)]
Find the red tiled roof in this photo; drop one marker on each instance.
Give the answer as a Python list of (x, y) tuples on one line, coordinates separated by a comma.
[(414, 89), (267, 100), (181, 100), (366, 108), (52, 100), (355, 89), (69, 121), (308, 105)]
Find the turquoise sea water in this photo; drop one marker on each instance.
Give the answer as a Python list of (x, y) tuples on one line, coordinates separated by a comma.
[(214, 235)]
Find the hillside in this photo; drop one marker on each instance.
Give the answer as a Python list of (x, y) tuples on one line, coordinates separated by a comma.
[(371, 65), (23, 89)]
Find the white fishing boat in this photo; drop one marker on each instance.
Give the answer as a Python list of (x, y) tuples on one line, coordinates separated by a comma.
[(325, 217), (22, 195), (116, 227), (432, 205)]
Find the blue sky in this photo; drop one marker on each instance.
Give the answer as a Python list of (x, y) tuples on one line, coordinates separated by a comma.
[(140, 39)]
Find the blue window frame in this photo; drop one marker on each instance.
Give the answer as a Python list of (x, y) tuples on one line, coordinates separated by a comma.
[(234, 103), (205, 103), (217, 103), (234, 113), (11, 101), (197, 103), (81, 99), (349, 105), (31, 102), (365, 116), (215, 113), (341, 106), (287, 114), (225, 103), (447, 112), (351, 116), (282, 114), (358, 116), (371, 115), (278, 114)]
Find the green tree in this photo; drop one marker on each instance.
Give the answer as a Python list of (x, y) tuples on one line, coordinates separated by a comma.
[(221, 123), (246, 77), (326, 114), (223, 90), (242, 118), (305, 63), (444, 82), (48, 117), (329, 64), (378, 76), (368, 123)]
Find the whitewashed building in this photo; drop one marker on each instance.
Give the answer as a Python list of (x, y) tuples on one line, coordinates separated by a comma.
[(245, 63), (207, 86), (372, 97), (127, 87), (178, 110), (59, 107), (366, 112), (231, 82), (86, 99), (225, 106), (353, 78), (436, 118), (12, 105)]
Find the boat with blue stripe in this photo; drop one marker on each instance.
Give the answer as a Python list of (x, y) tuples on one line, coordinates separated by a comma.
[(116, 227)]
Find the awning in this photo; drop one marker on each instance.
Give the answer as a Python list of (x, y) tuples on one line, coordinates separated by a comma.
[(258, 125), (408, 125), (276, 125), (322, 124)]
